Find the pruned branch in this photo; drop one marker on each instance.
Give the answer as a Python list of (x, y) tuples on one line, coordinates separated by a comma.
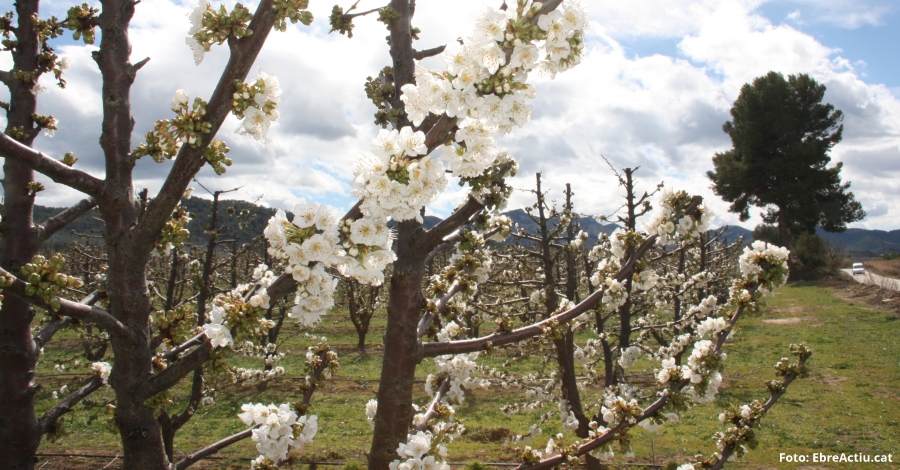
[(53, 169), (58, 221), (4, 77)]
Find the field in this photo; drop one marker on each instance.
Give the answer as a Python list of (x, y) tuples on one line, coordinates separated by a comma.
[(847, 404), (889, 268)]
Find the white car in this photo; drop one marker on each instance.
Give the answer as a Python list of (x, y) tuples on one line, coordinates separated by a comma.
[(858, 268)]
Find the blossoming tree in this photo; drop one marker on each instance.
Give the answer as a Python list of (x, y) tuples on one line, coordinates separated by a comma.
[(443, 121)]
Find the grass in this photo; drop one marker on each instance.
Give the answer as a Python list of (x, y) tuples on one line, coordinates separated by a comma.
[(848, 403)]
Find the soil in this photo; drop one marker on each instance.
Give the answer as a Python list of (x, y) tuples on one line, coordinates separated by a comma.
[(883, 299)]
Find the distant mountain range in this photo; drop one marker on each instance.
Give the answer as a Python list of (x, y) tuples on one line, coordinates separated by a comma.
[(594, 228), (859, 242)]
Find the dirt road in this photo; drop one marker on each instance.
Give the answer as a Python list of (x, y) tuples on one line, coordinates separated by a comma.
[(874, 279)]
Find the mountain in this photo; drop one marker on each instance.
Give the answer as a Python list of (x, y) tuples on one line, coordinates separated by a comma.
[(864, 242), (855, 241), (588, 224), (242, 228)]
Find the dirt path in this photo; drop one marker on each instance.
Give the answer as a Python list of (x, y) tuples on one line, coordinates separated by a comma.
[(873, 279)]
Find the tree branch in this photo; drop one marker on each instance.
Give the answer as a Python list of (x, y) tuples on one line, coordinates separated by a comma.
[(174, 352), (173, 374), (190, 159), (47, 422), (499, 339), (53, 169), (4, 77), (648, 412), (431, 411), (58, 221), (68, 308), (419, 55), (193, 457), (58, 323), (729, 448)]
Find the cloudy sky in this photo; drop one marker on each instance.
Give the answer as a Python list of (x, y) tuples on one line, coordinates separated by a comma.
[(657, 82)]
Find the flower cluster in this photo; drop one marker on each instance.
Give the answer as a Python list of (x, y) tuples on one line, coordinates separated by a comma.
[(44, 279), (102, 370), (629, 357), (487, 94), (669, 228), (209, 27), (616, 409), (167, 136), (393, 181), (311, 242), (766, 264), (414, 453), (174, 233), (252, 376), (232, 312), (371, 409), (277, 428), (257, 105), (458, 370), (703, 371), (469, 266)]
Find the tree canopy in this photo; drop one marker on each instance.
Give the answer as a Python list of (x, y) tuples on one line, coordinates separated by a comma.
[(782, 132)]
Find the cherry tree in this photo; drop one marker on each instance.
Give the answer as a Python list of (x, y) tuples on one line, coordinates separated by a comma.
[(441, 122)]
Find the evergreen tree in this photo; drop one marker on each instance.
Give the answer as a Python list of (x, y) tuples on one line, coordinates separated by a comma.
[(782, 133)]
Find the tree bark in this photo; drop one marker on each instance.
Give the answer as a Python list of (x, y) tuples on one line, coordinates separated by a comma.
[(19, 430), (398, 368)]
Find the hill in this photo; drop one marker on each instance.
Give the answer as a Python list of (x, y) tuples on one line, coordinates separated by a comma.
[(855, 241), (242, 228)]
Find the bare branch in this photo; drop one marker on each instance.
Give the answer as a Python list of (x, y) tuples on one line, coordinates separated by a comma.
[(53, 169), (47, 422), (419, 55), (174, 352), (58, 221), (4, 77), (173, 374), (193, 457)]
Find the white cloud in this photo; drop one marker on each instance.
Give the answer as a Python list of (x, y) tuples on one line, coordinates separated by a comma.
[(658, 112)]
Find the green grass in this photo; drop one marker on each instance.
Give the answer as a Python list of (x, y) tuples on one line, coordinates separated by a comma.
[(848, 403)]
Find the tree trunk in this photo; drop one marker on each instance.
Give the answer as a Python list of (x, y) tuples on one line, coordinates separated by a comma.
[(398, 368), (19, 432), (129, 301)]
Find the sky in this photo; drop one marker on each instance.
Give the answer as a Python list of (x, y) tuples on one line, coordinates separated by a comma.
[(654, 88)]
